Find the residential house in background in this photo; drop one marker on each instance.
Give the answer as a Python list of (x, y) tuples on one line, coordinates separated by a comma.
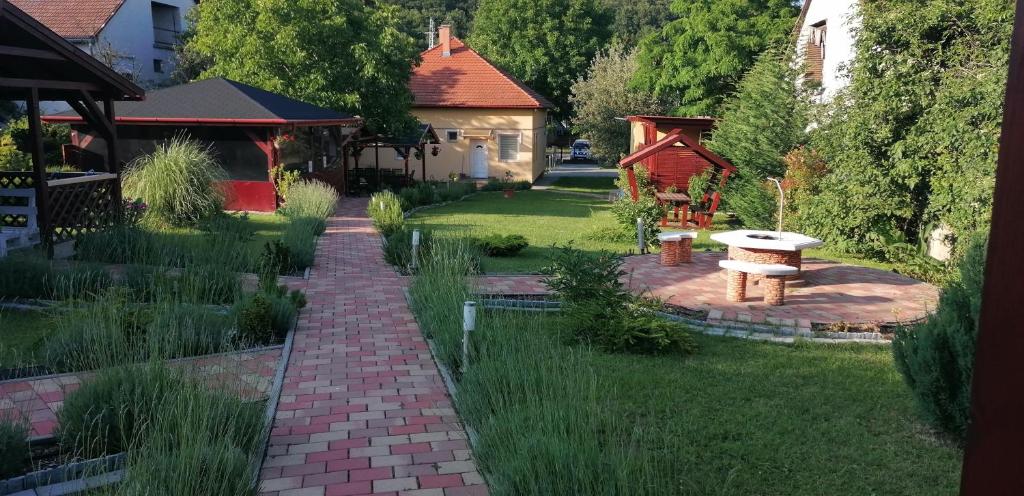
[(488, 122), (134, 37), (825, 42)]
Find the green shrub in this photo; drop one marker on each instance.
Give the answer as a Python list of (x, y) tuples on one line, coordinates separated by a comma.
[(386, 211), (25, 275), (14, 448), (599, 310), (179, 182), (698, 185), (255, 316), (311, 198), (452, 191), (936, 357), (753, 201), (398, 249), (501, 185), (108, 413), (300, 240), (497, 245), (646, 207)]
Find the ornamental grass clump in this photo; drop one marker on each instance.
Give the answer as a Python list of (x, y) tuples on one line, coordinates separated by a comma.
[(14, 447), (179, 182), (385, 209), (300, 240), (310, 198)]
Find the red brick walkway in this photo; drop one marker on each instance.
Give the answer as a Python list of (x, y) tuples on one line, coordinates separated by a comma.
[(834, 292), (363, 409)]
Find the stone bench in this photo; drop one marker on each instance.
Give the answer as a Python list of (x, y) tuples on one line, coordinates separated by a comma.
[(774, 280), (676, 247)]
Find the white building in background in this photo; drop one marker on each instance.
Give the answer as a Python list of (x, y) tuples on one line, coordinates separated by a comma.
[(825, 41), (135, 37)]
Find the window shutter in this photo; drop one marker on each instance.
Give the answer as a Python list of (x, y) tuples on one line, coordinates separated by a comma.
[(508, 147)]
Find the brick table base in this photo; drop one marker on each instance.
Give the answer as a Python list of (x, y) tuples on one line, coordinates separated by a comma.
[(363, 409)]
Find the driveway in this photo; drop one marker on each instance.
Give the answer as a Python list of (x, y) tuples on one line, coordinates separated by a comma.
[(574, 169)]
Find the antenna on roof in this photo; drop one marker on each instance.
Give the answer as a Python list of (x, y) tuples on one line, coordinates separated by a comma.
[(430, 34)]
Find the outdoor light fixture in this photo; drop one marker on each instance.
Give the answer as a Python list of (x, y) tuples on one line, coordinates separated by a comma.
[(435, 150)]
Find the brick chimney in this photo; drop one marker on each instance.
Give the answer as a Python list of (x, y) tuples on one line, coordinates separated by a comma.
[(445, 34)]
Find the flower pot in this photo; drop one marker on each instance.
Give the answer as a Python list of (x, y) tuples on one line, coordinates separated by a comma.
[(509, 193)]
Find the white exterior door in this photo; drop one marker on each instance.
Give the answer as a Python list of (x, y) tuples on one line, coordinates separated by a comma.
[(478, 159)]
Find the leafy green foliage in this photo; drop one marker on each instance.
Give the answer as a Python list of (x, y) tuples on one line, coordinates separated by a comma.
[(547, 44), (698, 186), (913, 139), (502, 185), (936, 358), (633, 21), (14, 448), (600, 310), (284, 179), (16, 144), (645, 208), (313, 199), (385, 209), (348, 55), (415, 15), (701, 56), (255, 319), (178, 181), (498, 245), (604, 94)]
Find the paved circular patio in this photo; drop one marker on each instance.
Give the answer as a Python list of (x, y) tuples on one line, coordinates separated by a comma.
[(834, 292)]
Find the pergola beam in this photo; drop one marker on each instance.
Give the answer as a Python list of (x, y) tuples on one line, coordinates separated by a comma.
[(29, 53), (47, 84)]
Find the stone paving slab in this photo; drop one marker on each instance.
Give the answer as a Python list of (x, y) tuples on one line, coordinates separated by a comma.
[(37, 400), (363, 408), (834, 292)]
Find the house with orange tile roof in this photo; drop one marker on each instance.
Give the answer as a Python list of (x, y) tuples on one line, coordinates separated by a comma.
[(489, 123), (135, 37)]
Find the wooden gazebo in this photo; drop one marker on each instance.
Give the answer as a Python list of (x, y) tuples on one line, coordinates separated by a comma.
[(37, 65), (411, 146)]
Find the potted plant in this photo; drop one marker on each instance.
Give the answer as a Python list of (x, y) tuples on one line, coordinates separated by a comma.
[(510, 190)]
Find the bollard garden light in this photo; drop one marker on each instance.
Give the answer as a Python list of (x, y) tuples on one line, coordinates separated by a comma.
[(468, 326), (415, 247)]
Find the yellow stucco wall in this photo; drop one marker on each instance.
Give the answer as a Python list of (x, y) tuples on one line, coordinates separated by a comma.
[(454, 157)]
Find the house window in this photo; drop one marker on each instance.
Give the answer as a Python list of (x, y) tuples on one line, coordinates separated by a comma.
[(508, 147), (814, 55), (166, 25), (453, 135), (158, 66)]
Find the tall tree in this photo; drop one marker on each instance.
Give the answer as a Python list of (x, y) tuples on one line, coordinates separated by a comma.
[(545, 43), (635, 19), (348, 55), (603, 95), (699, 57), (414, 16)]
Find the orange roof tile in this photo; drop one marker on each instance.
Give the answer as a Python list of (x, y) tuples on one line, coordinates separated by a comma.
[(467, 80), (71, 18)]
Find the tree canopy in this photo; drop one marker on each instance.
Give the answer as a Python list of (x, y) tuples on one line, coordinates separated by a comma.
[(634, 20), (414, 16), (913, 141), (604, 94), (545, 43), (701, 56), (348, 55)]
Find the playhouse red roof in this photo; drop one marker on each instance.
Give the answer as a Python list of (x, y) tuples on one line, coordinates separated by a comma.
[(467, 80), (71, 18)]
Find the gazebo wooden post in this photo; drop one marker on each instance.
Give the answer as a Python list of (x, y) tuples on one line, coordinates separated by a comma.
[(406, 152), (113, 164), (423, 162), (35, 128), (376, 153)]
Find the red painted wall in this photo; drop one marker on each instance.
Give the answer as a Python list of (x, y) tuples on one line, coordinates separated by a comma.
[(674, 166), (254, 196)]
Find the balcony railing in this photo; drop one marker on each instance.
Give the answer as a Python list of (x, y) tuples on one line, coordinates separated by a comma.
[(165, 37)]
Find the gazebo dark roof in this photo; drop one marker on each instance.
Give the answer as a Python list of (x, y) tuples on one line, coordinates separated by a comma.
[(220, 101)]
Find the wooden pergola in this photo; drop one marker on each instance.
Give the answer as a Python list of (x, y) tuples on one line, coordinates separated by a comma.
[(414, 142), (37, 65)]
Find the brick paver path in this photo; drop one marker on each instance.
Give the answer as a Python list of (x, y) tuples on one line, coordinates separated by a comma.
[(834, 292), (363, 409), (37, 399)]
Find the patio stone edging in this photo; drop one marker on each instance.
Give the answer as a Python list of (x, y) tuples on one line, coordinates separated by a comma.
[(273, 396), (67, 479)]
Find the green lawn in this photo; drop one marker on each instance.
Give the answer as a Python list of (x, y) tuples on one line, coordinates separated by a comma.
[(596, 185), (21, 333), (548, 218), (266, 227), (738, 418)]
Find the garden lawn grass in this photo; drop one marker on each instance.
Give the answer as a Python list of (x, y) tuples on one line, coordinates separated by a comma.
[(266, 227), (596, 185), (547, 218), (738, 418), (21, 333)]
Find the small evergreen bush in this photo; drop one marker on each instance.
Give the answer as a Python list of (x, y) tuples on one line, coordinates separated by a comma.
[(255, 319), (936, 357), (14, 447), (179, 182), (498, 245), (385, 209), (646, 207), (311, 198)]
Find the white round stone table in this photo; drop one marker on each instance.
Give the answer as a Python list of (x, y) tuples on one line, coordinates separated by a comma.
[(766, 247)]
